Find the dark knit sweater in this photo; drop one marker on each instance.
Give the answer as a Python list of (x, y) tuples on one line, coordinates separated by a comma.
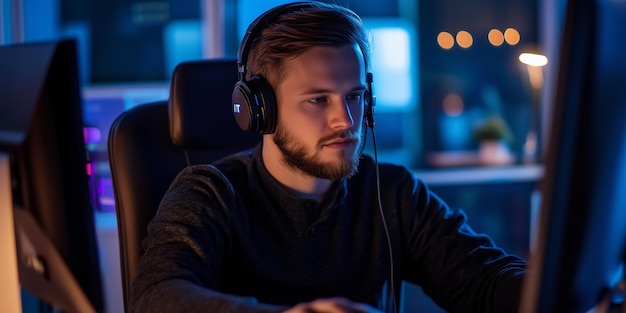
[(229, 238)]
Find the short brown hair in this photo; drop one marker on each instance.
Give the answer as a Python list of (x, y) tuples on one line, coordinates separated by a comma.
[(295, 32)]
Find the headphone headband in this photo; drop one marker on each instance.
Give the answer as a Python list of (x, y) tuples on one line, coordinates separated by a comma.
[(260, 23)]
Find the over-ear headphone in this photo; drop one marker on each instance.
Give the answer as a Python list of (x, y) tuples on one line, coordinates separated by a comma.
[(253, 99)]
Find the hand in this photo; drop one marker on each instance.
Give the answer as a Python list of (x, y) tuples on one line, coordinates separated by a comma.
[(332, 305)]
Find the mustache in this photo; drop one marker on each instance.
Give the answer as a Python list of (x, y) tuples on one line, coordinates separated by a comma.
[(343, 135)]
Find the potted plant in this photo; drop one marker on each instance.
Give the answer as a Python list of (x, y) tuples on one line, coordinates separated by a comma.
[(493, 135)]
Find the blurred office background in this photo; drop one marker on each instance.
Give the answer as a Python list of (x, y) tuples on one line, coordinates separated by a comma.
[(448, 78)]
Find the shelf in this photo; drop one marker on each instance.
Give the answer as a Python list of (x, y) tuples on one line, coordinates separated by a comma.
[(481, 175)]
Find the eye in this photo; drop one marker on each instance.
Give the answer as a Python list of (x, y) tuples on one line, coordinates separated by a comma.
[(355, 97), (318, 100)]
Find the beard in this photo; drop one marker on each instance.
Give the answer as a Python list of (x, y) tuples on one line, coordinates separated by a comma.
[(296, 155)]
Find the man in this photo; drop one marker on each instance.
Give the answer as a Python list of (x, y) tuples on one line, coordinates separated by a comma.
[(299, 223)]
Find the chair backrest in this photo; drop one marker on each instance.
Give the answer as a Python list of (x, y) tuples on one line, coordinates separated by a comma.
[(150, 144)]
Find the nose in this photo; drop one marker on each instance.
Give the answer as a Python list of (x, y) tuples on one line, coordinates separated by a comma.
[(341, 115)]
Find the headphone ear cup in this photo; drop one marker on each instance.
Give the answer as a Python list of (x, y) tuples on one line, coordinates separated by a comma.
[(246, 114), (267, 100), (254, 105), (368, 103)]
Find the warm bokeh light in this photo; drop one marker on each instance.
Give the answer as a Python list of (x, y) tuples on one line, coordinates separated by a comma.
[(495, 37), (452, 105), (512, 37), (445, 40), (534, 63), (533, 59), (464, 39)]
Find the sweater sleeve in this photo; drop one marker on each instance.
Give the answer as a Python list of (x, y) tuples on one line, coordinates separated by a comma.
[(461, 270), (185, 249)]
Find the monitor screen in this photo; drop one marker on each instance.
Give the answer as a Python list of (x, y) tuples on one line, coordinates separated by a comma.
[(41, 129), (577, 263)]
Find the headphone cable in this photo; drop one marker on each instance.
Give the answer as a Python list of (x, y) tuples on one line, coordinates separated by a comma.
[(384, 222), (369, 121)]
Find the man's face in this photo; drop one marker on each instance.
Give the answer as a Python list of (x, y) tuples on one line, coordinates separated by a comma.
[(320, 111)]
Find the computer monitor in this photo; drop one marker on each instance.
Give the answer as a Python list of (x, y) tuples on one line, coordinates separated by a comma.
[(41, 131), (577, 264)]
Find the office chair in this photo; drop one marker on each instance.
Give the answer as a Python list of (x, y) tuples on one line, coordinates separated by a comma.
[(150, 144)]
